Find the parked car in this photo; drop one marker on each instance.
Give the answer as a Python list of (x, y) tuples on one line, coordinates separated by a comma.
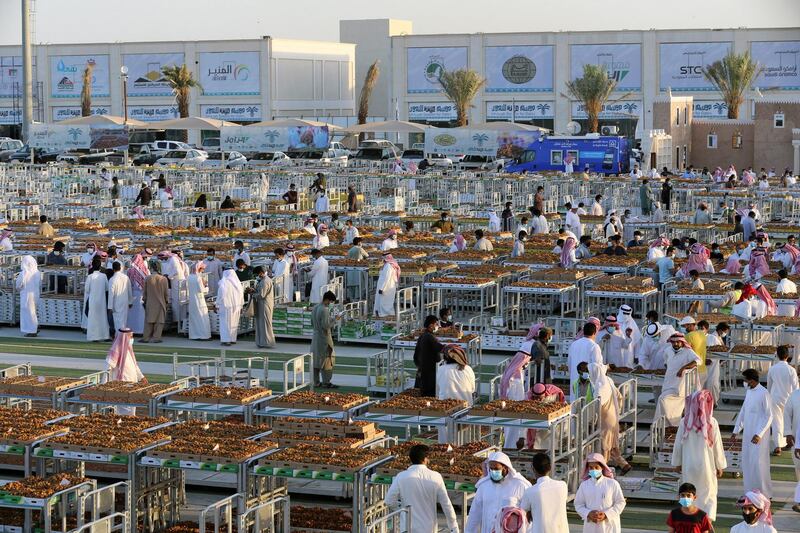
[(182, 158), (146, 156), (439, 160), (210, 144), (91, 158), (323, 157), (412, 156), (162, 147), (8, 147), (338, 149), (233, 159), (376, 150), (482, 162), (23, 155), (269, 159)]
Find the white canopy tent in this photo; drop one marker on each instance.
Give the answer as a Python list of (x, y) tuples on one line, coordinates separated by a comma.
[(388, 126), (294, 123), (189, 123), (502, 126), (103, 120)]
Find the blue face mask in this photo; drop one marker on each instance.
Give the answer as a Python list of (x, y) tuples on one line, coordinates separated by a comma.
[(595, 474), (496, 475), (686, 502)]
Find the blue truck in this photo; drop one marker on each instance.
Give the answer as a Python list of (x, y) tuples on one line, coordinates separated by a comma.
[(603, 154)]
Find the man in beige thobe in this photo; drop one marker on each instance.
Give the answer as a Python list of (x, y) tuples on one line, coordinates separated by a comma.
[(265, 302), (155, 297)]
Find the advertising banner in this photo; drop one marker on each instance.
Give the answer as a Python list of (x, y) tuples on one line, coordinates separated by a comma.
[(519, 69), (144, 73), (624, 109), (230, 73), (623, 62), (153, 113), (682, 64), (233, 113), (266, 139), (10, 115), (712, 109), (66, 76), (432, 112), (65, 112), (780, 60), (109, 137), (56, 138), (425, 65), (521, 110), (449, 141), (513, 143), (11, 76)]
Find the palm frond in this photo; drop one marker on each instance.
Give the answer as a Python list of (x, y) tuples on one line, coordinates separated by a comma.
[(732, 76), (86, 91), (461, 86), (592, 89), (366, 91)]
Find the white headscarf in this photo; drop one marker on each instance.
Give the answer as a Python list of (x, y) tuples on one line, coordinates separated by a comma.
[(601, 383), (28, 273), (230, 292), (503, 459)]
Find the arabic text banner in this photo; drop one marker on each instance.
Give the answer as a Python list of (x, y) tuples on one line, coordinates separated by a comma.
[(230, 73), (425, 66), (623, 62), (11, 76), (449, 141), (266, 139), (780, 60), (144, 73), (66, 76), (519, 69), (57, 137), (682, 64)]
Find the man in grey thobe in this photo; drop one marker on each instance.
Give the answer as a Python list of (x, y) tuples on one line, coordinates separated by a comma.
[(265, 302), (322, 342), (155, 297)]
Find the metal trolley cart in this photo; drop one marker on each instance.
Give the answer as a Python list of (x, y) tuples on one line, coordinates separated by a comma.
[(466, 298), (529, 301), (606, 302), (21, 386), (64, 507), (96, 398), (440, 420)]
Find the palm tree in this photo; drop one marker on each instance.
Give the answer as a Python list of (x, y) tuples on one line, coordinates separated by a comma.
[(731, 76), (86, 91), (181, 81), (593, 90), (366, 91), (461, 86)]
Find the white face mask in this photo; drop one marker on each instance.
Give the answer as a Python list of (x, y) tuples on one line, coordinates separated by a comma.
[(435, 329), (610, 329), (585, 375)]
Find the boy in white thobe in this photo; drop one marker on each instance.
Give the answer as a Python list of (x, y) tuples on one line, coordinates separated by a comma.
[(583, 350), (599, 500), (120, 297), (213, 271), (674, 390), (281, 273), (546, 501), (573, 220), (781, 383), (754, 421), (501, 486), (421, 489), (387, 287), (482, 243), (29, 287), (318, 272)]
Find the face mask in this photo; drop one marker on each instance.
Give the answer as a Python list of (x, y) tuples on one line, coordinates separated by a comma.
[(686, 502), (210, 257), (90, 250), (585, 376), (449, 318), (436, 329), (610, 329), (496, 475), (750, 518), (595, 474)]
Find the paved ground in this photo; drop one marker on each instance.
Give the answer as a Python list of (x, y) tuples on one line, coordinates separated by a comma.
[(65, 352)]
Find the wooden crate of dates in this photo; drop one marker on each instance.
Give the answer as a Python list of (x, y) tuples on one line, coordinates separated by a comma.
[(521, 409), (410, 402), (37, 490), (319, 519), (293, 438), (327, 427), (456, 464), (318, 458), (326, 401), (37, 386), (214, 394), (126, 392)]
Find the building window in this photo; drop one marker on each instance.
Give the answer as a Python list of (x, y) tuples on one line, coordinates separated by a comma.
[(736, 141), (685, 115), (556, 157), (778, 120), (574, 155), (677, 116), (678, 157), (685, 160), (711, 141)]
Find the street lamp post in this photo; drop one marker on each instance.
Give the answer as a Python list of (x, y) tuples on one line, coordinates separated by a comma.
[(123, 74)]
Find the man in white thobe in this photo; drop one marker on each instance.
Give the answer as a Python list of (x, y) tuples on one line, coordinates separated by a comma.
[(786, 286), (318, 272), (754, 421), (674, 390), (120, 297), (615, 344), (573, 220), (323, 204), (791, 418), (597, 206), (546, 501), (421, 488), (500, 487), (482, 243), (387, 287), (583, 350), (95, 305), (626, 322), (539, 223), (282, 275), (781, 383), (350, 233), (213, 271)]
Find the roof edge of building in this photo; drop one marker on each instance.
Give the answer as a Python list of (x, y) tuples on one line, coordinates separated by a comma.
[(724, 121)]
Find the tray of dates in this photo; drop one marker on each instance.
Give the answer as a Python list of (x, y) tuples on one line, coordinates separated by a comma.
[(790, 322), (614, 291), (458, 283), (411, 403), (212, 449), (466, 257), (214, 394), (521, 409), (746, 349), (491, 271), (292, 438), (535, 258), (558, 274), (329, 427), (539, 287), (319, 519), (609, 263), (713, 318), (37, 386), (126, 392), (460, 466), (317, 461), (19, 428), (322, 401), (36, 491)]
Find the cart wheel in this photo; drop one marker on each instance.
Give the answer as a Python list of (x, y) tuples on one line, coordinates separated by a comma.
[(725, 400), (737, 475)]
